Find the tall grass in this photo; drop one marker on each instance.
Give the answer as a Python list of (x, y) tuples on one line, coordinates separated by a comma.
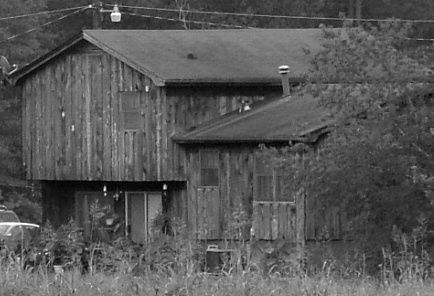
[(170, 266), (15, 281)]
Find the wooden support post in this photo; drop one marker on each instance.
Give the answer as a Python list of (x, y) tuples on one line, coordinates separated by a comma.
[(359, 4), (351, 9), (300, 229)]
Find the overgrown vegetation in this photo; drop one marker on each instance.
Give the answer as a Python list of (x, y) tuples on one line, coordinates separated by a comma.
[(170, 265), (377, 161)]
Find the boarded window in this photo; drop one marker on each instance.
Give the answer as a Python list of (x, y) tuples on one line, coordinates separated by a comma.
[(131, 110), (273, 207), (209, 172)]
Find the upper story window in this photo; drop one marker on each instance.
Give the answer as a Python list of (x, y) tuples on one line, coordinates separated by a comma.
[(209, 171), (130, 110)]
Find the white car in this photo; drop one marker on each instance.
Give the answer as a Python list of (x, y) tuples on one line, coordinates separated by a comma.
[(7, 215), (14, 234)]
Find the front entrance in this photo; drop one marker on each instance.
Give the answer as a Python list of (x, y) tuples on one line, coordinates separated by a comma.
[(141, 209)]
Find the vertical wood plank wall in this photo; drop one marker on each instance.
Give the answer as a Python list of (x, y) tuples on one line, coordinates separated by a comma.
[(275, 220), (72, 127), (235, 191), (72, 130)]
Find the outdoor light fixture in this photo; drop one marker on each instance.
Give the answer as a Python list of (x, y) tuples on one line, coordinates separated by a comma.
[(115, 15)]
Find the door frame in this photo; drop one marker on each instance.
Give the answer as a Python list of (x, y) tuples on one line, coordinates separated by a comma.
[(145, 209)]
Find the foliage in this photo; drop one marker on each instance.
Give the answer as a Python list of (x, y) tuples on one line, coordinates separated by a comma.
[(14, 281), (409, 259), (238, 225), (377, 162), (19, 50), (174, 251), (65, 245)]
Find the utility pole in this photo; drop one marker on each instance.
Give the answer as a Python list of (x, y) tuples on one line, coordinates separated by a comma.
[(97, 17), (359, 4), (351, 9)]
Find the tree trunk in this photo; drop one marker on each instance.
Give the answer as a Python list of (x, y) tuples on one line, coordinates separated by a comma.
[(351, 9)]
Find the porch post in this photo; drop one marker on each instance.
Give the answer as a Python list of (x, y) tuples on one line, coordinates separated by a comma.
[(300, 202)]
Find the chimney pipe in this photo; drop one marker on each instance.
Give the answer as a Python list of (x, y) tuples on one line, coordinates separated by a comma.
[(284, 71)]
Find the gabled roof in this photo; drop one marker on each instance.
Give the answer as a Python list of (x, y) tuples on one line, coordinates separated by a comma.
[(240, 56), (286, 119)]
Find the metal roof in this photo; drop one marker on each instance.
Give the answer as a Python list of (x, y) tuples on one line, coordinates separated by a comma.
[(250, 56), (286, 119)]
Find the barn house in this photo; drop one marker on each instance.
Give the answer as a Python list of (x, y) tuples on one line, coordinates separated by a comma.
[(150, 122)]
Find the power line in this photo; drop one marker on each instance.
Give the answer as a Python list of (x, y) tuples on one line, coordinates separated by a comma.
[(42, 13), (421, 39), (44, 25), (188, 21), (277, 16)]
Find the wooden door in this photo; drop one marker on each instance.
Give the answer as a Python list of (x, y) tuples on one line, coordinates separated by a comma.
[(136, 227), (208, 213)]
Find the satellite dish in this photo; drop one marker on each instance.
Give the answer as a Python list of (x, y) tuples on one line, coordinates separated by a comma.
[(6, 69), (4, 65)]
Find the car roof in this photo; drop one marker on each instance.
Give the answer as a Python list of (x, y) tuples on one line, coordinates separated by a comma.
[(19, 224)]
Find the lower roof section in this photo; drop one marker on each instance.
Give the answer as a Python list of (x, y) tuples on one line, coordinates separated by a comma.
[(291, 118)]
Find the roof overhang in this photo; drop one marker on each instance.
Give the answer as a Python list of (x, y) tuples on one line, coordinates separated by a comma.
[(34, 65)]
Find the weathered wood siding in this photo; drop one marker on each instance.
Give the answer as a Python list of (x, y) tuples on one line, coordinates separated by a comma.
[(270, 220), (73, 119), (274, 220), (187, 107)]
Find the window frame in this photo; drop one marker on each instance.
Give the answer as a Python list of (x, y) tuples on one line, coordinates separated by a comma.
[(216, 154), (136, 110), (272, 172)]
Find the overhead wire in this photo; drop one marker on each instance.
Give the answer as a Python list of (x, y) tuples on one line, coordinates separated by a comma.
[(186, 20), (276, 16), (83, 8), (41, 13), (244, 14)]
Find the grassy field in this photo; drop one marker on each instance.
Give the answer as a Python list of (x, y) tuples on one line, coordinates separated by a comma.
[(14, 281)]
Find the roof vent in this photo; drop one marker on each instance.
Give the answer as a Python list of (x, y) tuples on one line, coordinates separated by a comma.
[(284, 73)]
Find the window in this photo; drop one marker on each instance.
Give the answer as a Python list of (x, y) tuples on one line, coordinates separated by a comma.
[(271, 184), (131, 110), (209, 172)]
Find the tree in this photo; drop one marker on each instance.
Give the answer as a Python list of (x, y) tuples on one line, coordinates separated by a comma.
[(377, 163), (23, 48)]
